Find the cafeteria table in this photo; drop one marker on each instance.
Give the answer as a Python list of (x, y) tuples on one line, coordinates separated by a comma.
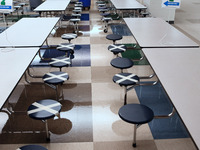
[(28, 32), (13, 64), (127, 5), (52, 6), (178, 70), (157, 33)]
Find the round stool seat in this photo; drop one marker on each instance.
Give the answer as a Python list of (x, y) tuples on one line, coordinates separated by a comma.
[(101, 4), (103, 7), (76, 15), (22, 4), (44, 109), (77, 11), (60, 62), (66, 47), (136, 113), (126, 79), (74, 20), (17, 7), (107, 19), (69, 36), (114, 37), (103, 10), (56, 77), (78, 5), (104, 14), (117, 48), (122, 63), (32, 147)]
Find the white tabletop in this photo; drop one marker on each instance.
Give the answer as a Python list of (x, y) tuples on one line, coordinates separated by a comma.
[(13, 63), (53, 5), (28, 32), (127, 4), (156, 33), (178, 70)]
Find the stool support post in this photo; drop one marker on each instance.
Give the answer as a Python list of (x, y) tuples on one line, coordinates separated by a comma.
[(125, 96), (47, 130), (134, 135)]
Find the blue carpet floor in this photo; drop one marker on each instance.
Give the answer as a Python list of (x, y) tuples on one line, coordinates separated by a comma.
[(156, 98), (121, 29), (81, 56)]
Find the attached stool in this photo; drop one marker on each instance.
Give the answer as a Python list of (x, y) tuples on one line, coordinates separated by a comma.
[(75, 23), (114, 37), (122, 63), (106, 20), (136, 114), (54, 79), (60, 62), (76, 15), (117, 48), (32, 147), (69, 36), (43, 110), (77, 11), (67, 48), (126, 80)]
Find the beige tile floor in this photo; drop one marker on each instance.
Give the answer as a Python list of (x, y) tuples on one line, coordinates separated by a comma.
[(91, 93)]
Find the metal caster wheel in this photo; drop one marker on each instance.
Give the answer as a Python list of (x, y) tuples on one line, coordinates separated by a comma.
[(105, 31)]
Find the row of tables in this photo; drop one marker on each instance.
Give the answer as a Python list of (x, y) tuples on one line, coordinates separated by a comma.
[(174, 58), (21, 42)]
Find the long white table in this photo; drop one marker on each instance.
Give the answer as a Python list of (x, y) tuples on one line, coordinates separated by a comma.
[(13, 64), (178, 70), (53, 5), (156, 33), (28, 32), (127, 5)]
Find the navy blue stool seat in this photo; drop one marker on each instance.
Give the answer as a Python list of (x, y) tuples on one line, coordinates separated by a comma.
[(43, 110), (32, 147), (75, 23), (66, 47), (77, 11), (136, 114), (126, 79), (106, 20), (69, 36), (117, 48), (60, 62), (54, 79), (114, 37), (122, 63)]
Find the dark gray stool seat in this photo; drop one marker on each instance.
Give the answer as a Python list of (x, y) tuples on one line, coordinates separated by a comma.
[(106, 20), (77, 11), (136, 114), (76, 15), (126, 80), (104, 14), (43, 110), (122, 63), (69, 36), (114, 37), (32, 147), (54, 79), (75, 22), (60, 62), (103, 10), (117, 48), (66, 47)]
